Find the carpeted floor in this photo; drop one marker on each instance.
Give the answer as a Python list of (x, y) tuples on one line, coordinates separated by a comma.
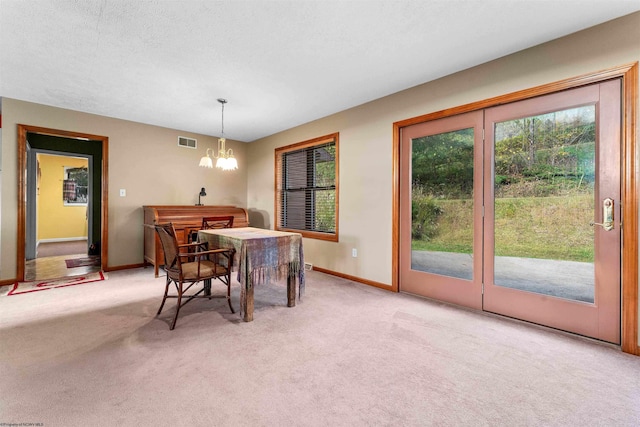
[(347, 355)]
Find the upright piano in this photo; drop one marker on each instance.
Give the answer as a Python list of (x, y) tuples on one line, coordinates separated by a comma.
[(183, 218)]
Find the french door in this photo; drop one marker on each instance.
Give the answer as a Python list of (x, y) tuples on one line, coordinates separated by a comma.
[(441, 187), (515, 210)]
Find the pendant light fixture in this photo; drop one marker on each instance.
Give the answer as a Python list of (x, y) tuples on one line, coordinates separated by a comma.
[(224, 158)]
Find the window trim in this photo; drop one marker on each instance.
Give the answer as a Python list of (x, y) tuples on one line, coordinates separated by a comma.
[(334, 137)]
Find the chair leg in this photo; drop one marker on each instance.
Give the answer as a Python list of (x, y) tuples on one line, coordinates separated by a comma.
[(166, 291), (229, 293), (175, 318), (207, 287)]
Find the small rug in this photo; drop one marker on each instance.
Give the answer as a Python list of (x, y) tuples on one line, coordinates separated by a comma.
[(92, 261), (27, 287)]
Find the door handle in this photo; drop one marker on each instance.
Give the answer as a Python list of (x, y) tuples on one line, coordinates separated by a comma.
[(607, 215)]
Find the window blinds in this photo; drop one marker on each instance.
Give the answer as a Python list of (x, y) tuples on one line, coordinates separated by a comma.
[(307, 179)]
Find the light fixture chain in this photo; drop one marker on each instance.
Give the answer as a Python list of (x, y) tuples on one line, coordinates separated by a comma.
[(222, 101)]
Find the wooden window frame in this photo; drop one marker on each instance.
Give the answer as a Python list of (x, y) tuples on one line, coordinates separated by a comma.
[(279, 152)]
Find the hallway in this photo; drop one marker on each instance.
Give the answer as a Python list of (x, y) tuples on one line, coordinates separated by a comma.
[(50, 263)]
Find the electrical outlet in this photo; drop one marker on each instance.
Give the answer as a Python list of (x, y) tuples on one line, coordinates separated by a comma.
[(123, 192), (354, 252)]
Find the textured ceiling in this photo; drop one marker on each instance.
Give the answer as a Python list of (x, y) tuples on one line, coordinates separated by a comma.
[(279, 63)]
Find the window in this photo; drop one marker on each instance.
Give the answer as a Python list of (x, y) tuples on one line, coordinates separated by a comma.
[(75, 186), (307, 188)]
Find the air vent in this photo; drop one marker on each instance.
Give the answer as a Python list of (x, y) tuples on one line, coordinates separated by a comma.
[(187, 142)]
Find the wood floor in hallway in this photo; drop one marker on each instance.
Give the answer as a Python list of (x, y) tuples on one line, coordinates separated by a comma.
[(50, 263)]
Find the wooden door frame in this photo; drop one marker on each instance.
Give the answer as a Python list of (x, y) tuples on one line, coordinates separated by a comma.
[(628, 73), (23, 130)]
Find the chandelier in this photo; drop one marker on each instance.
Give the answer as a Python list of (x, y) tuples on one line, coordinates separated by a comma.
[(224, 158)]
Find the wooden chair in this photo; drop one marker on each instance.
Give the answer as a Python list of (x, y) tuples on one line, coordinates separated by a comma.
[(192, 263), (210, 222), (217, 222)]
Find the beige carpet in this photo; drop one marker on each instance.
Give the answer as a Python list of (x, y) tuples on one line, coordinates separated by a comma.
[(347, 355)]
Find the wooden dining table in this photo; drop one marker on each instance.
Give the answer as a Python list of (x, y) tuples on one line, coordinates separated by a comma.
[(261, 256)]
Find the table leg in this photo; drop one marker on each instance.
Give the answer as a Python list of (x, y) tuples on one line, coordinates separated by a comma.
[(291, 291), (248, 305), (246, 300)]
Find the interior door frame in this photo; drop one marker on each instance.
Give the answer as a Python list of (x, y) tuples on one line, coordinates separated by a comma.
[(629, 270), (31, 228), (22, 190)]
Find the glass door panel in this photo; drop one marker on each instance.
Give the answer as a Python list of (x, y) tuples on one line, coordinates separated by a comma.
[(442, 204), (441, 209), (543, 203), (552, 171)]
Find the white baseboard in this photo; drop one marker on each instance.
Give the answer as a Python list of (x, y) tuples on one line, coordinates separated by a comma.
[(62, 239)]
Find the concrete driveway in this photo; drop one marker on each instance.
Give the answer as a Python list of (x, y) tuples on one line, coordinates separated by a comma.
[(563, 279)]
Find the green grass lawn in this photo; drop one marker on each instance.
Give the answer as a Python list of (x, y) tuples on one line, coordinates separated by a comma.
[(533, 227)]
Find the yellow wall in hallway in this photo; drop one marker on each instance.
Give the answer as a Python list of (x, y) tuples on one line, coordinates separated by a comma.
[(55, 220)]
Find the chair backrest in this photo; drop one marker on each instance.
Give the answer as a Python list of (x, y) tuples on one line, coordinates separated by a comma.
[(217, 222), (167, 235)]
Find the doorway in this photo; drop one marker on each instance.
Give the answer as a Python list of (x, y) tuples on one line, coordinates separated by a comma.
[(59, 215), (90, 198), (515, 210)]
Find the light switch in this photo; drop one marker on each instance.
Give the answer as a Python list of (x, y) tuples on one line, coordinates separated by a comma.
[(123, 192)]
